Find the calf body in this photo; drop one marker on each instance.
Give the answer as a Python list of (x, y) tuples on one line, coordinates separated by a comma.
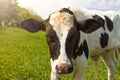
[(74, 34), (103, 42)]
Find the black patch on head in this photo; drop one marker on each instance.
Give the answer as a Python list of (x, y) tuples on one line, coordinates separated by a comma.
[(109, 23), (99, 19), (53, 42), (104, 40), (83, 48), (66, 10), (72, 41)]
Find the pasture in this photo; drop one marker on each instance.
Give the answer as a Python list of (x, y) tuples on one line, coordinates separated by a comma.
[(25, 56)]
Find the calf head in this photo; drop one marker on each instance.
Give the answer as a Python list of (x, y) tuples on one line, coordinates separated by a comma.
[(62, 35)]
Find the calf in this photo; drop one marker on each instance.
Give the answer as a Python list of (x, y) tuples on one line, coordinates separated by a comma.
[(73, 34)]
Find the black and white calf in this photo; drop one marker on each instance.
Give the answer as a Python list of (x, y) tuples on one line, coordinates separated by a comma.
[(73, 34)]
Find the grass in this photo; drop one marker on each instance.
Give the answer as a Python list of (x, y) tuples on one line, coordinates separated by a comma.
[(25, 56)]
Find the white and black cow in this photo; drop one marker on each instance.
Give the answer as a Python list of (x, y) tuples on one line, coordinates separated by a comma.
[(73, 34)]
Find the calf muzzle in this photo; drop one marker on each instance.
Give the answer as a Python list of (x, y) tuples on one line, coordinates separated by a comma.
[(64, 68)]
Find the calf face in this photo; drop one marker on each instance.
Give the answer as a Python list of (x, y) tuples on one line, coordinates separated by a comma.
[(63, 36)]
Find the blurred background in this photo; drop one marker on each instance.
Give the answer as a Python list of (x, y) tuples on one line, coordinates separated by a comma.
[(14, 11), (11, 13), (46, 7)]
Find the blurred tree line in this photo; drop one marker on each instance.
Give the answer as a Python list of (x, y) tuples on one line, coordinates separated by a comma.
[(11, 14)]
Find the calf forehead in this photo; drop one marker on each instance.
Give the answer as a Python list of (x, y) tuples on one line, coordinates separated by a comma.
[(61, 21)]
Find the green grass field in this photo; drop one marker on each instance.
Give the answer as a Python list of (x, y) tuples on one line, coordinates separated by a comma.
[(25, 56)]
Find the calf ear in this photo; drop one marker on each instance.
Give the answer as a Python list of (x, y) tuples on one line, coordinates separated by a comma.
[(32, 25), (89, 25)]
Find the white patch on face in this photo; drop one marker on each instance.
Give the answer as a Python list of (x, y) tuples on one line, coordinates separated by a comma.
[(54, 75), (62, 23)]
